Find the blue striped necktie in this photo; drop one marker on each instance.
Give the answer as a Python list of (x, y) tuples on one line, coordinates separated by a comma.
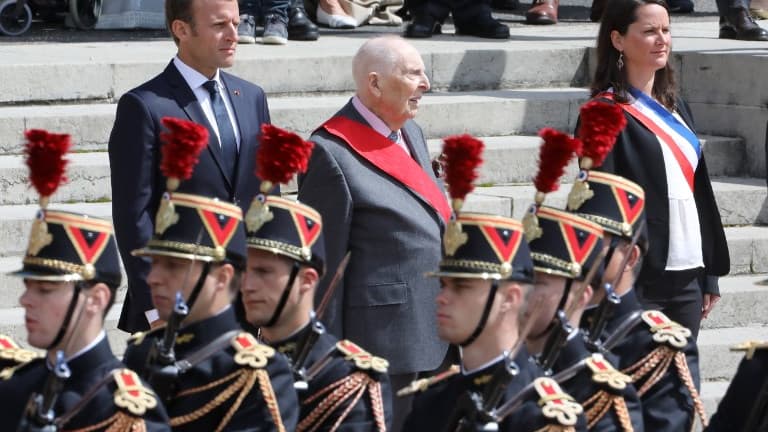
[(226, 133)]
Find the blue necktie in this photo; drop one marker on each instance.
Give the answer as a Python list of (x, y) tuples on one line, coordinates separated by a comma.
[(226, 133), (393, 136)]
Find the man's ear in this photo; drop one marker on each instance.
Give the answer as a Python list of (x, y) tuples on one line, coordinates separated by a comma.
[(634, 258), (586, 296), (223, 276), (511, 296), (374, 84), (98, 298), (308, 278), (181, 29)]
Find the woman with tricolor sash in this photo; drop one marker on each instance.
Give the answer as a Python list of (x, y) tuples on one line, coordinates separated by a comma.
[(659, 150)]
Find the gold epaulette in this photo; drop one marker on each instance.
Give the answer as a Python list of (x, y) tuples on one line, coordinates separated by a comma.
[(555, 403), (603, 372), (422, 384), (749, 347), (250, 352), (131, 394), (666, 331), (361, 358), (599, 404), (10, 350)]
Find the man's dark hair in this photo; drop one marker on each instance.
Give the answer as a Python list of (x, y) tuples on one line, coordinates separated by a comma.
[(178, 10), (621, 14)]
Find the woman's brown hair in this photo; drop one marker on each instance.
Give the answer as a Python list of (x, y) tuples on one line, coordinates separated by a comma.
[(619, 15)]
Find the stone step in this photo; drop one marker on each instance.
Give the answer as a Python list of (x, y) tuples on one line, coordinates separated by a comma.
[(507, 159), (88, 179), (743, 303), (748, 247), (742, 201), (103, 72), (513, 159), (711, 394), (716, 360), (482, 113)]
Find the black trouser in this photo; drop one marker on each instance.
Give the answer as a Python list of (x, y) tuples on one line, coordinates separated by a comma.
[(676, 293), (724, 5), (464, 11)]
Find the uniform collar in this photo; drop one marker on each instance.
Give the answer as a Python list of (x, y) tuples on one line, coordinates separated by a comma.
[(92, 357), (206, 330)]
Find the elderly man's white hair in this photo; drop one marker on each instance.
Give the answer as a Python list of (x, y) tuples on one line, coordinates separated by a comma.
[(380, 54)]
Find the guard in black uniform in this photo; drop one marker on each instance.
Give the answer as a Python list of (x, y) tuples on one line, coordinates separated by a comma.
[(71, 273), (486, 276), (340, 386), (744, 407), (654, 351), (215, 376), (565, 248)]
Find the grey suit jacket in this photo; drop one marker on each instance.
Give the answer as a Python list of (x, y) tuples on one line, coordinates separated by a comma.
[(385, 303)]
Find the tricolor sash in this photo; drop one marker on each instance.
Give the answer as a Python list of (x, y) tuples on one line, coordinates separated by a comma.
[(669, 130), (391, 159)]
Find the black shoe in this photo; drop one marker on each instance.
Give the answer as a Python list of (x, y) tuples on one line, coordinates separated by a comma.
[(246, 30), (485, 27), (505, 5), (680, 6), (737, 23), (299, 26), (422, 27)]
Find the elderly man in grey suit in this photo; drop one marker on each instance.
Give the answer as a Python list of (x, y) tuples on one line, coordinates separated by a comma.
[(371, 179)]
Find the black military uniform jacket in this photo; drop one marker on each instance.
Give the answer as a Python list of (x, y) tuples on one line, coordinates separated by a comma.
[(609, 399), (744, 392), (23, 373), (350, 393), (207, 394), (434, 406), (668, 404)]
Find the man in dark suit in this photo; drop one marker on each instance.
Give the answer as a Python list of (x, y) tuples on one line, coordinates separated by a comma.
[(194, 88), (370, 179)]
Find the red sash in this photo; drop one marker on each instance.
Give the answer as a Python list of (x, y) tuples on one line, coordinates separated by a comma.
[(663, 136), (391, 159)]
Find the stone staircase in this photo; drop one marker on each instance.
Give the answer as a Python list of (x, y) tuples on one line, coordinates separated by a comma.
[(504, 92)]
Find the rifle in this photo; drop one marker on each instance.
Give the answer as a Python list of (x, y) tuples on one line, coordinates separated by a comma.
[(562, 328), (317, 329), (611, 301), (477, 412), (38, 414), (162, 370)]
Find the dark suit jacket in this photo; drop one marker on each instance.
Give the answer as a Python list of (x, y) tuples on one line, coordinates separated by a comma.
[(385, 303), (138, 184), (637, 156)]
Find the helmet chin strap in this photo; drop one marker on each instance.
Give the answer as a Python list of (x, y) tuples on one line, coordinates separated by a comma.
[(484, 318), (284, 298), (199, 285), (67, 317)]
